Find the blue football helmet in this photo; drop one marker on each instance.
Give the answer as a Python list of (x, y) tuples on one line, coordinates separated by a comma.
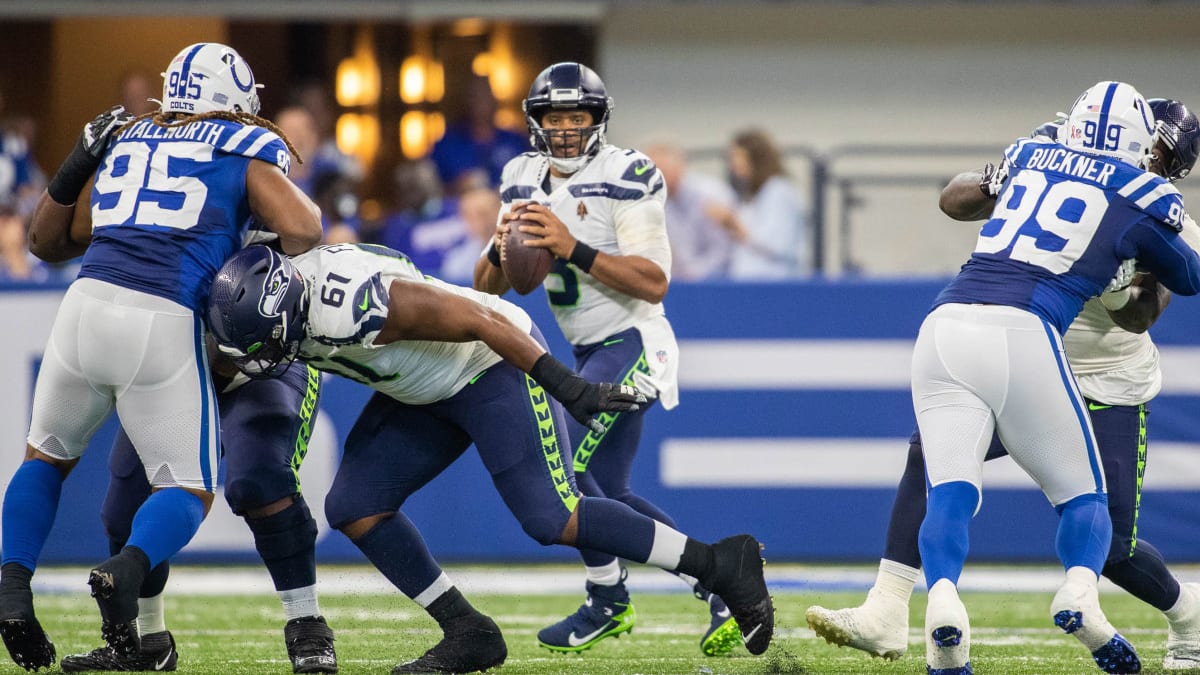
[(567, 86), (257, 311), (1177, 129), (209, 76)]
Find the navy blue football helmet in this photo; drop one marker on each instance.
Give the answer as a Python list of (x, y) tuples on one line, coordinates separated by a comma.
[(1178, 129), (567, 86), (257, 310)]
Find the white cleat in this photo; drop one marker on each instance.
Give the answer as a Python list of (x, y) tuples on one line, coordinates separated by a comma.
[(1183, 635), (1076, 610), (947, 632), (879, 626)]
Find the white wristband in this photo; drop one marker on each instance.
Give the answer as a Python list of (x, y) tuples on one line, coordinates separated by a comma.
[(1115, 300)]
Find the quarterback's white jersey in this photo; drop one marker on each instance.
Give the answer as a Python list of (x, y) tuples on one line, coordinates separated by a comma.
[(1111, 365), (350, 285), (602, 205)]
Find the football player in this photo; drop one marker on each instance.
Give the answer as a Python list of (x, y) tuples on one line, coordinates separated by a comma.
[(1117, 368), (989, 355), (166, 200), (265, 427), (452, 366), (599, 210)]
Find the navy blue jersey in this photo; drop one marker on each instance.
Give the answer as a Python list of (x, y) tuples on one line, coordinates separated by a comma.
[(169, 205), (1062, 225)]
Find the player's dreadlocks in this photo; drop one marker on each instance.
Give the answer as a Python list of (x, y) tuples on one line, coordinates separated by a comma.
[(177, 120)]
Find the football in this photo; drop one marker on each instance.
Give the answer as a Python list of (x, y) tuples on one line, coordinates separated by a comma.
[(524, 266)]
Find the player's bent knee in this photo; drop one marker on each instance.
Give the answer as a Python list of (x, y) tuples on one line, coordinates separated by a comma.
[(544, 530), (244, 494), (284, 534)]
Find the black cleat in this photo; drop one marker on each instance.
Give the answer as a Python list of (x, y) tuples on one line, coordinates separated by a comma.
[(22, 634), (471, 643), (310, 645), (157, 654), (737, 577), (27, 643)]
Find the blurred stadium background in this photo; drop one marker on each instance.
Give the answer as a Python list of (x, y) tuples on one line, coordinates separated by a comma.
[(795, 411)]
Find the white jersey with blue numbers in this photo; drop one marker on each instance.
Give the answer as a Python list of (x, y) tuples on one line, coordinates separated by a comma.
[(591, 203), (350, 287), (169, 204), (1061, 226)]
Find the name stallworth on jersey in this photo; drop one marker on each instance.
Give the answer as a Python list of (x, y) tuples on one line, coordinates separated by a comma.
[(204, 131), (232, 137)]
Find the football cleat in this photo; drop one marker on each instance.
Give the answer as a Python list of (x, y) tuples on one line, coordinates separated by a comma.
[(607, 612), (27, 643), (722, 635), (947, 632), (1183, 634), (1076, 610), (157, 654), (737, 576), (470, 644), (879, 626), (310, 645)]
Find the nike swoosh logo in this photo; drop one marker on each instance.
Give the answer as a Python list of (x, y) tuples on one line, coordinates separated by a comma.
[(1098, 406), (163, 664), (366, 303), (724, 614), (746, 637), (639, 170), (576, 641), (609, 343)]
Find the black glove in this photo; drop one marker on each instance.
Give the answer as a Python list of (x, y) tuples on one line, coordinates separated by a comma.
[(79, 166), (581, 398)]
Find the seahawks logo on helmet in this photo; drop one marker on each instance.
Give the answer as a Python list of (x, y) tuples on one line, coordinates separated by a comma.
[(275, 288)]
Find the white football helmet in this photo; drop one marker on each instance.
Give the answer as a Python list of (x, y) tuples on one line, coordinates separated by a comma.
[(1111, 119), (209, 76)]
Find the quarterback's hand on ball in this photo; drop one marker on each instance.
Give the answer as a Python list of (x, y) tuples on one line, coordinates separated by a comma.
[(97, 132), (554, 234), (604, 397)]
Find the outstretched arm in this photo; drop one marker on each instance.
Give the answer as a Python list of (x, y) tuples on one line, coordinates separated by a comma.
[(423, 311)]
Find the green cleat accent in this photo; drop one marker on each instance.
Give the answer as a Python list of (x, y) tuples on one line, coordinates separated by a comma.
[(723, 640), (617, 624)]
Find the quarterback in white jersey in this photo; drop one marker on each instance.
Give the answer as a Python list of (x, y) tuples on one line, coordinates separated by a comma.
[(600, 211)]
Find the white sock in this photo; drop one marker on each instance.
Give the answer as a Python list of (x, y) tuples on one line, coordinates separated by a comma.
[(299, 602), (667, 547), (605, 575), (1184, 606), (151, 615), (435, 590), (896, 579)]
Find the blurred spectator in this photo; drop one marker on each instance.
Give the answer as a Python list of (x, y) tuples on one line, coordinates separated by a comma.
[(701, 221), (776, 243), (316, 98), (424, 223), (320, 178), (473, 143), (21, 183), (136, 88), (478, 211)]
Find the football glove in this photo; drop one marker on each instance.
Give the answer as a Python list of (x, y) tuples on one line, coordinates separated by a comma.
[(581, 398), (97, 132), (992, 180), (1124, 276)]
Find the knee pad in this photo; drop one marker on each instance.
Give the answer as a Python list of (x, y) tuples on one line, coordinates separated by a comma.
[(284, 534)]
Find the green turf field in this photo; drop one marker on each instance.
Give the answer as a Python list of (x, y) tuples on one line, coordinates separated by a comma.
[(1012, 635)]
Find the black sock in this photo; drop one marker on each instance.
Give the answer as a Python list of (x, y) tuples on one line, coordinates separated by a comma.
[(696, 560), (15, 573), (449, 606)]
